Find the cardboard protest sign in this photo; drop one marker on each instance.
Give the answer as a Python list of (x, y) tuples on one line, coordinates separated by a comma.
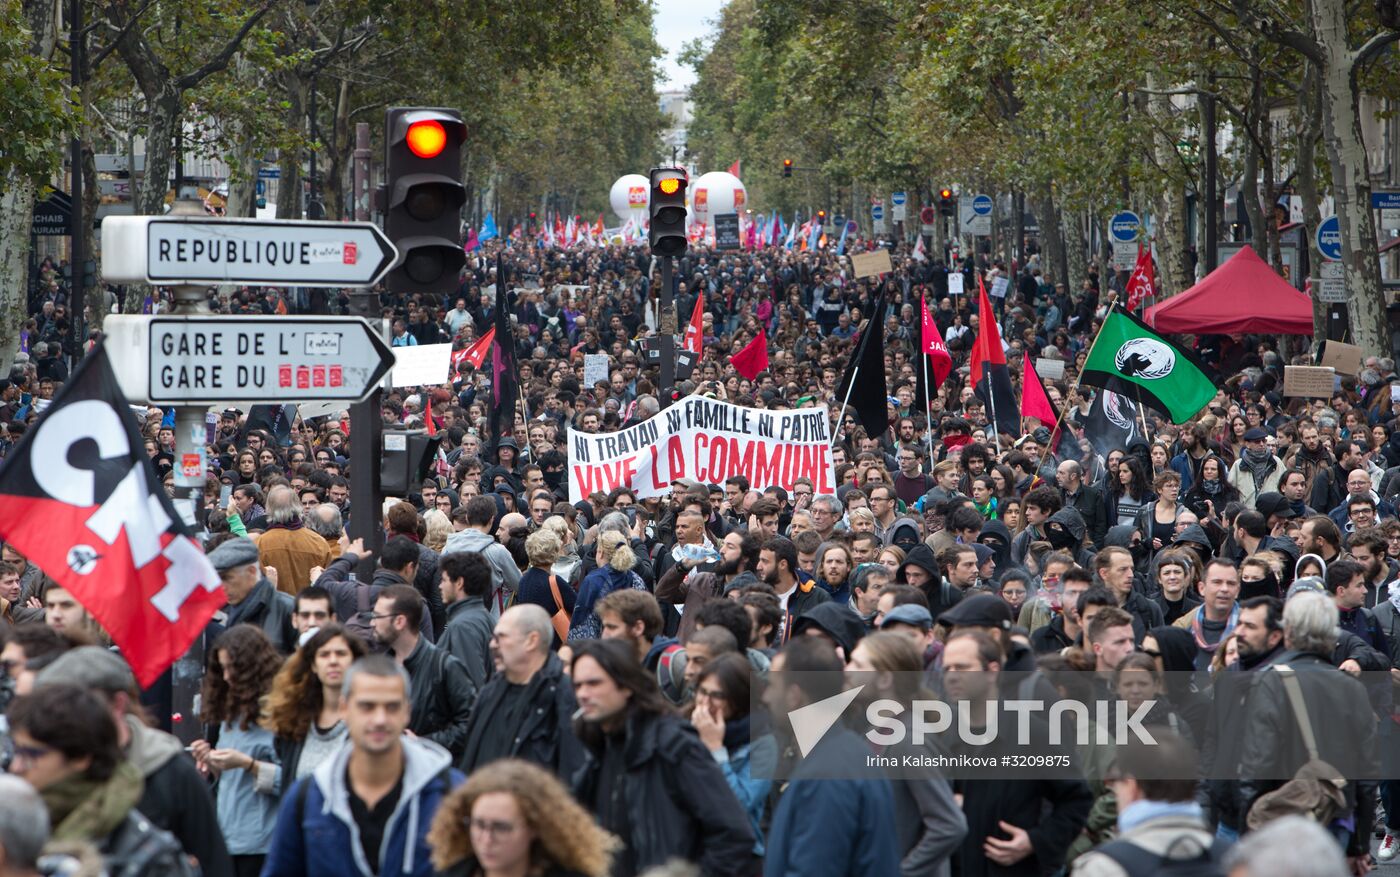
[(708, 441), (871, 264), (1310, 381), (1345, 358)]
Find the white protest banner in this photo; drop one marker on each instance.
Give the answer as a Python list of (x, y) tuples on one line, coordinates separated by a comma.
[(955, 283), (421, 364), (708, 441), (999, 286), (595, 369)]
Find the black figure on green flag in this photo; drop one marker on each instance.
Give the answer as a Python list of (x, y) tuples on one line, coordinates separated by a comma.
[(1131, 359)]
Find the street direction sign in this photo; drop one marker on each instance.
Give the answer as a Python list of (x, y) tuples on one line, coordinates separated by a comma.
[(269, 173), (1124, 227), (196, 249), (1329, 239), (213, 360), (1385, 200)]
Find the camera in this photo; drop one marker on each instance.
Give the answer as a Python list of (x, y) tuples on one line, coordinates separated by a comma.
[(1200, 507)]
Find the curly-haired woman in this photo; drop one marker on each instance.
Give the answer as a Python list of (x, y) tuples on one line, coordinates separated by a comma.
[(511, 818), (241, 668), (303, 709)]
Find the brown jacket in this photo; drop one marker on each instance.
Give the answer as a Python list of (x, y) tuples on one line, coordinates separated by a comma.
[(293, 552)]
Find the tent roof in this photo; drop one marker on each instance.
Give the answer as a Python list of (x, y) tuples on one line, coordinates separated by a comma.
[(1243, 295)]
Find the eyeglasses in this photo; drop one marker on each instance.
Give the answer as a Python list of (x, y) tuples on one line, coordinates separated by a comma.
[(491, 827), (30, 754), (386, 615), (709, 693)]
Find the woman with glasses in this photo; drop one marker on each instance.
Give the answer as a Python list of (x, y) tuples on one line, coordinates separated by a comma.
[(721, 717), (514, 818)]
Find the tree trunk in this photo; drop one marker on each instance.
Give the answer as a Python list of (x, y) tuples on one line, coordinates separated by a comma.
[(289, 194), (92, 198), (1052, 238), (334, 179), (162, 121), (1170, 204), (1351, 185), (243, 161), (1309, 132), (1075, 250)]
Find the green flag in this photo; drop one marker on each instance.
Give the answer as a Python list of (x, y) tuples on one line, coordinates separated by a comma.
[(1131, 359)]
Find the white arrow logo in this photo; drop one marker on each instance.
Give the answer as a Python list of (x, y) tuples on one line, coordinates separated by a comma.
[(811, 722)]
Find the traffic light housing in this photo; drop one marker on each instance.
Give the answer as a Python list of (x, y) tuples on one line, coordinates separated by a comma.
[(787, 167), (947, 204), (667, 234), (424, 197), (821, 217)]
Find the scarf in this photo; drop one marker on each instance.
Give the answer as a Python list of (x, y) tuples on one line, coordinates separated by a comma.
[(1257, 463), (1211, 486), (83, 809), (988, 511), (290, 525), (1139, 812), (1199, 633)]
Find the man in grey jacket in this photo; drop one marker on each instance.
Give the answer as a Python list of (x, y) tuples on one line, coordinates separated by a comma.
[(477, 539), (466, 582)]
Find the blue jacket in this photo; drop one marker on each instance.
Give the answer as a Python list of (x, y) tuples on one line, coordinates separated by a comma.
[(828, 825), (317, 837)]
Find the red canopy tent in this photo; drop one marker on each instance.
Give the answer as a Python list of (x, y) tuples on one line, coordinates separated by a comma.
[(1243, 295)]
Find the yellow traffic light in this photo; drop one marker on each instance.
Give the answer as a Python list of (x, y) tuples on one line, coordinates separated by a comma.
[(669, 185)]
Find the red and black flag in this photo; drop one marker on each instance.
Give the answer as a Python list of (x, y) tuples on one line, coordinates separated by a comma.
[(80, 498), (505, 385), (864, 380), (989, 377)]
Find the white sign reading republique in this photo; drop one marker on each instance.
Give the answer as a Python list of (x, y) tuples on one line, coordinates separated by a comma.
[(708, 441)]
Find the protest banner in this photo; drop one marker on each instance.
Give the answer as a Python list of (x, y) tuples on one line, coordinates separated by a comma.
[(708, 441), (871, 264), (1309, 381)]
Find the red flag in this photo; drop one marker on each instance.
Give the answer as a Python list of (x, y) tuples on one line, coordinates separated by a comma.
[(695, 332), (734, 168), (752, 361), (475, 353), (986, 350), (428, 414), (1142, 283), (1034, 400), (83, 502), (940, 360)]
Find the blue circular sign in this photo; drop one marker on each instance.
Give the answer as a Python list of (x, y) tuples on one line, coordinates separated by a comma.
[(877, 211), (1329, 239), (898, 198), (982, 205), (1124, 226)]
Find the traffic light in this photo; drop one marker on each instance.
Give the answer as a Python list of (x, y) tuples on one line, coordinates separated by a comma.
[(667, 234), (947, 205), (821, 217), (424, 197), (787, 167)]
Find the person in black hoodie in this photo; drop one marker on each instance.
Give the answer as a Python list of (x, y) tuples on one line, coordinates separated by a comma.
[(836, 622), (920, 569)]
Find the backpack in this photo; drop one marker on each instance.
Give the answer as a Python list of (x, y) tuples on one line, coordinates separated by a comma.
[(1316, 790), (1140, 862), (139, 849), (359, 623)]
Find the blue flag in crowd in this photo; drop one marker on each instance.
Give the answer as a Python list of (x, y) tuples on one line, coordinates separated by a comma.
[(488, 229)]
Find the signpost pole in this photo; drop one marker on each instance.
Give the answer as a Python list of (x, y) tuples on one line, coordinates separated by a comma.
[(366, 436), (666, 341), (191, 472)]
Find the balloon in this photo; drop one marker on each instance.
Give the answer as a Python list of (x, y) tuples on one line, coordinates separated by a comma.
[(629, 197), (715, 193)]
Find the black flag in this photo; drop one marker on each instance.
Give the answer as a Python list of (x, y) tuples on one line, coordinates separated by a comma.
[(1112, 422), (505, 385), (869, 396)]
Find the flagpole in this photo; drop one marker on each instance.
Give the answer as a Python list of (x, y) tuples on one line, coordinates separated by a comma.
[(928, 397), (879, 313), (992, 404)]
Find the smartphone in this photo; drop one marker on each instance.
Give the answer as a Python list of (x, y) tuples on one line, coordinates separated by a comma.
[(225, 494)]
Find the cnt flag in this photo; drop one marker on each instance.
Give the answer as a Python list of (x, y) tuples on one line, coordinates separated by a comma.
[(83, 502), (505, 387), (989, 377), (939, 358), (695, 330), (474, 353), (1129, 358), (1142, 283)]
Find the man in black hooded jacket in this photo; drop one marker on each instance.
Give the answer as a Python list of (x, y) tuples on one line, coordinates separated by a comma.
[(920, 569)]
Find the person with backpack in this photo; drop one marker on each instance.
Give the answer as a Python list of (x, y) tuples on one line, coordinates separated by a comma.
[(65, 746), (1162, 830), (374, 800)]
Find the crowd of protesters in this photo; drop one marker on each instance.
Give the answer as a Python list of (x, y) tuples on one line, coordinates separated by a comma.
[(530, 686)]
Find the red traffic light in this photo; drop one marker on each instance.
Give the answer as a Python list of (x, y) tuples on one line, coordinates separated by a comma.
[(670, 185), (945, 193), (821, 214), (787, 162), (426, 139)]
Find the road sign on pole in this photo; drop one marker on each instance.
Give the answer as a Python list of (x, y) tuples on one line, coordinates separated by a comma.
[(208, 360), (1331, 284), (1329, 239), (1124, 229), (927, 216), (975, 214), (898, 200), (194, 249)]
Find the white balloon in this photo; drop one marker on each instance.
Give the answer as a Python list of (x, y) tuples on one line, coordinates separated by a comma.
[(630, 196), (715, 193)]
